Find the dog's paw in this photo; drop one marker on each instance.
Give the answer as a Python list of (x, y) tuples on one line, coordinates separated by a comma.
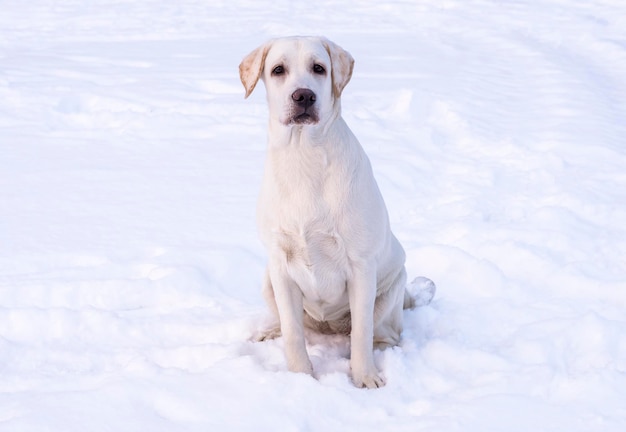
[(300, 366), (266, 334), (369, 380)]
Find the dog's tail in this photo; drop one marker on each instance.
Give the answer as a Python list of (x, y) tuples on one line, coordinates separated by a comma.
[(420, 292)]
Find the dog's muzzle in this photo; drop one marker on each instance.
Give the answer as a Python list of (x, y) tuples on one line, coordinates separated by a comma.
[(303, 107)]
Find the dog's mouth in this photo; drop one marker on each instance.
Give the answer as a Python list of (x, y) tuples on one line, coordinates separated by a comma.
[(303, 117)]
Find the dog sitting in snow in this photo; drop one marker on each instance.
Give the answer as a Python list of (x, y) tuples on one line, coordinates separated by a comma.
[(334, 264)]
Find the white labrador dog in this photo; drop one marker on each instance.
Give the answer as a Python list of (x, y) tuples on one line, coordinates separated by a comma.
[(334, 264)]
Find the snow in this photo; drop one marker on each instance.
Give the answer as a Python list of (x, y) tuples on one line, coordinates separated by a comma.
[(130, 269)]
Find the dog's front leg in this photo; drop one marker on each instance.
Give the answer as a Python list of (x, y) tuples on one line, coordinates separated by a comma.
[(362, 295), (291, 313)]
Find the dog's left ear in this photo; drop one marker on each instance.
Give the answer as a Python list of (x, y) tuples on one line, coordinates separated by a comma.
[(342, 64), (251, 67)]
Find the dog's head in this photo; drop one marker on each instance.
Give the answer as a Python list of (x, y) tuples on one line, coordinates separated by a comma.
[(303, 76)]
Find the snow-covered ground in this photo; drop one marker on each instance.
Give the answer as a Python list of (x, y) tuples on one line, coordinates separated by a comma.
[(130, 269)]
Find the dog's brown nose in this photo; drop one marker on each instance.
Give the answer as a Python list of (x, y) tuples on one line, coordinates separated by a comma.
[(304, 98)]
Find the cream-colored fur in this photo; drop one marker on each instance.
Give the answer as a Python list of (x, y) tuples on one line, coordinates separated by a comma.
[(334, 264)]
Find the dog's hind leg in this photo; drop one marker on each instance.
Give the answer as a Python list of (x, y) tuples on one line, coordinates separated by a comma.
[(271, 329)]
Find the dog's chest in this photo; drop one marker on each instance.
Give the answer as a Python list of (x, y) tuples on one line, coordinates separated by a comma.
[(306, 186), (306, 217), (317, 261)]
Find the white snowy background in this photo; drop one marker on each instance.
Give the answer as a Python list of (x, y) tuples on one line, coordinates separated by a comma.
[(130, 269)]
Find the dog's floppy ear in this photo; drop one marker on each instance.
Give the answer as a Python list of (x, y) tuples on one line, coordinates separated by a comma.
[(251, 67), (342, 64)]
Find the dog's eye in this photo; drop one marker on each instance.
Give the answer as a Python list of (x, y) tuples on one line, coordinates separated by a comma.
[(319, 69), (278, 70)]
